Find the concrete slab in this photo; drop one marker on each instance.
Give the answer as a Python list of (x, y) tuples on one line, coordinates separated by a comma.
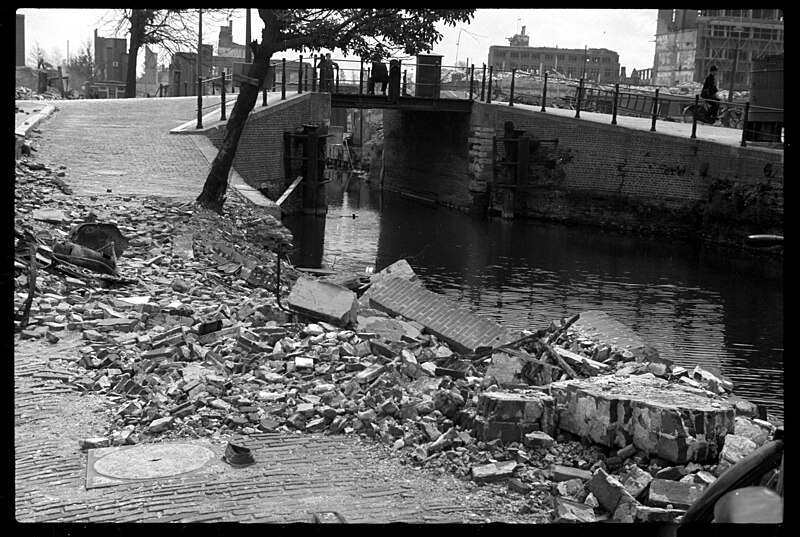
[(601, 328)]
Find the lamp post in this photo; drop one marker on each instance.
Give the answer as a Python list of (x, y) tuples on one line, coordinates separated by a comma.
[(738, 31), (585, 59)]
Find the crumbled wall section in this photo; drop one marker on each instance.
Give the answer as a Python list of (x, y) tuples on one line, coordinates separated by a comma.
[(670, 421)]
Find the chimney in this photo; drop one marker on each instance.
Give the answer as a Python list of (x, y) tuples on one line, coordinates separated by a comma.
[(523, 31)]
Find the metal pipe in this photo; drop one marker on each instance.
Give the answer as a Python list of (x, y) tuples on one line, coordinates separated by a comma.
[(483, 82), (580, 95), (744, 124), (199, 102), (471, 79), (222, 93), (283, 79), (300, 76)]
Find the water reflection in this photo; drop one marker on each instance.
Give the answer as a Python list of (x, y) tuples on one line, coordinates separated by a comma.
[(696, 305)]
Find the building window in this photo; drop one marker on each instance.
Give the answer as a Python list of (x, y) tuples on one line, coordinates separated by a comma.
[(573, 57), (525, 55), (536, 55), (548, 56), (114, 64)]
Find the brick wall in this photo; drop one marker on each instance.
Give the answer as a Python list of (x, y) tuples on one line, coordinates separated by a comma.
[(597, 174), (259, 158)]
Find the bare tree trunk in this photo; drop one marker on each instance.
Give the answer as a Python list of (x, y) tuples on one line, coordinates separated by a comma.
[(138, 20), (216, 185)]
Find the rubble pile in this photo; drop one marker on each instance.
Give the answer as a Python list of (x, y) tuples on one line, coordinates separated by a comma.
[(190, 336)]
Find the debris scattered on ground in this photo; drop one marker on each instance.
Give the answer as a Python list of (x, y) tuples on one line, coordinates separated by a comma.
[(205, 330)]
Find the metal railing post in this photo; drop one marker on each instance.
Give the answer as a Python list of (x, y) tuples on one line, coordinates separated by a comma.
[(483, 83), (222, 93), (489, 89), (405, 81), (361, 78), (337, 78), (199, 102), (694, 117), (314, 76), (511, 96), (580, 95), (744, 124), (306, 77), (300, 76), (264, 97), (186, 87), (283, 79), (655, 111), (471, 79), (544, 92), (614, 109)]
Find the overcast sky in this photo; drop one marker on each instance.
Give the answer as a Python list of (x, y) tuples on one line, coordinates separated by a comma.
[(629, 32)]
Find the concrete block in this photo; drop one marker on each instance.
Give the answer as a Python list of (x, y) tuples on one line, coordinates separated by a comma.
[(635, 480), (531, 406), (323, 300), (494, 471), (646, 513), (506, 369), (564, 473), (608, 490), (538, 439), (370, 373), (665, 492), (569, 511)]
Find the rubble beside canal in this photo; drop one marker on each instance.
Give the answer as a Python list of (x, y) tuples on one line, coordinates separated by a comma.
[(194, 336)]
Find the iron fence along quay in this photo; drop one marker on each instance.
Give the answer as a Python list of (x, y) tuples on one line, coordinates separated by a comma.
[(484, 84)]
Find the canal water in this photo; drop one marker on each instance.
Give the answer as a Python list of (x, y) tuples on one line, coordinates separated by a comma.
[(697, 305)]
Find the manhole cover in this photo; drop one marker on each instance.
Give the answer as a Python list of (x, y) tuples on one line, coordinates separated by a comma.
[(153, 460)]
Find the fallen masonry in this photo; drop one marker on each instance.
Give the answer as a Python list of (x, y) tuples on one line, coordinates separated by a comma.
[(580, 417)]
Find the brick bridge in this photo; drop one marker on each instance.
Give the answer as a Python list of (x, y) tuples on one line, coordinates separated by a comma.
[(634, 175)]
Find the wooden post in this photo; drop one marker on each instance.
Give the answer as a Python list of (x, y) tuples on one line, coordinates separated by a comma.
[(544, 92)]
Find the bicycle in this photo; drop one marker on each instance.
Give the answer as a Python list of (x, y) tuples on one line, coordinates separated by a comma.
[(729, 117)]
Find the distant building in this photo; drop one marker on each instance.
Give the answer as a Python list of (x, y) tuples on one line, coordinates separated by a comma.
[(183, 72), (597, 64), (111, 68), (689, 41), (20, 39)]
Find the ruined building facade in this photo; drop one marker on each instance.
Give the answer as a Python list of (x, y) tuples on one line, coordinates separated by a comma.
[(596, 64), (689, 41)]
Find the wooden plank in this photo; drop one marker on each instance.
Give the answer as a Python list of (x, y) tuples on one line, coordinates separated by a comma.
[(575, 358), (289, 190)]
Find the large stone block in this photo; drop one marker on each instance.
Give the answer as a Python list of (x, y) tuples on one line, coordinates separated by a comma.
[(678, 495), (530, 410), (608, 490), (670, 420), (323, 300)]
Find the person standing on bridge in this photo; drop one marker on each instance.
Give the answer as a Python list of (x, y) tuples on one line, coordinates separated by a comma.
[(326, 67), (709, 92), (379, 74)]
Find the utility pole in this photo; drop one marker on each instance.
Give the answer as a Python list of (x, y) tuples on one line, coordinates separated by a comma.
[(247, 51)]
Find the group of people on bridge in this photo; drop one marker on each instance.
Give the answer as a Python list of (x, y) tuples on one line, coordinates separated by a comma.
[(327, 66)]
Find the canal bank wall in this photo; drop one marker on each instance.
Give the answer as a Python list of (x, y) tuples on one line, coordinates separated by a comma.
[(583, 172)]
